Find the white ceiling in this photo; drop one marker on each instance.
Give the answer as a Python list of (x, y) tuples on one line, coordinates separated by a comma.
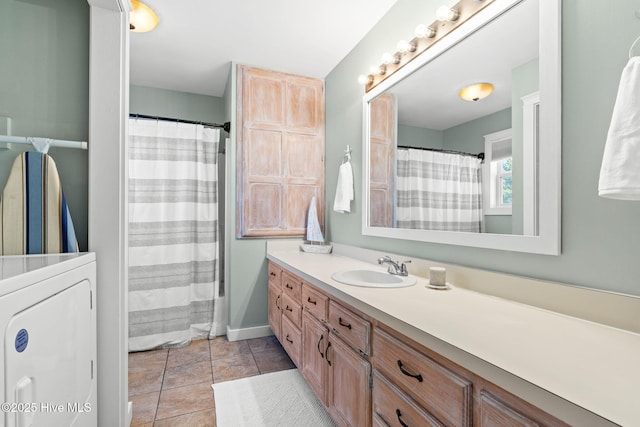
[(195, 41)]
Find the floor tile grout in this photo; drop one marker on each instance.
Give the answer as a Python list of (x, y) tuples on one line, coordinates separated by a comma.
[(275, 359)]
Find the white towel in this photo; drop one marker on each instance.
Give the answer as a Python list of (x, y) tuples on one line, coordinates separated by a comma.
[(620, 171), (344, 189)]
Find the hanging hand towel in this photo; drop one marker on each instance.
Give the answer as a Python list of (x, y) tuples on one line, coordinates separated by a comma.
[(344, 189), (620, 171), (34, 217)]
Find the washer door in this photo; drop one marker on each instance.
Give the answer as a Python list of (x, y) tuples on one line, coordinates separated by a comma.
[(48, 358)]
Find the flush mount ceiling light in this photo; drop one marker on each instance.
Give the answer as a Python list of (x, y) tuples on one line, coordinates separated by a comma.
[(142, 18), (476, 91)]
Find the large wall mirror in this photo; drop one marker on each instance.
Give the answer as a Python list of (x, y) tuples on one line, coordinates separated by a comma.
[(482, 173)]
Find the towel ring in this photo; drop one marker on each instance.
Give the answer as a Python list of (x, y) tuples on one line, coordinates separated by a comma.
[(632, 46)]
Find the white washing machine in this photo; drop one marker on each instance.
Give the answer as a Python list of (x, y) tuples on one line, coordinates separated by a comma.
[(48, 340)]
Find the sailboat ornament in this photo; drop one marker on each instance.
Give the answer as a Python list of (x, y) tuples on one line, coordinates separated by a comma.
[(315, 238)]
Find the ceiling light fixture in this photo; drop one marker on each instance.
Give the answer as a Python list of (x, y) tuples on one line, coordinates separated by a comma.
[(476, 91), (142, 18)]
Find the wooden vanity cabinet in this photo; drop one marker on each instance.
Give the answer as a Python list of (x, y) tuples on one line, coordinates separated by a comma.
[(494, 406), (443, 392), (349, 388), (275, 299), (335, 370), (367, 373)]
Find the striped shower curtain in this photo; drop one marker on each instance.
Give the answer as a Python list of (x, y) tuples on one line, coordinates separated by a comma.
[(174, 285), (438, 191)]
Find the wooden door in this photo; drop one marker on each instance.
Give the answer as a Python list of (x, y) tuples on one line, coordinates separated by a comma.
[(274, 309), (315, 337), (349, 392), (280, 152), (382, 144)]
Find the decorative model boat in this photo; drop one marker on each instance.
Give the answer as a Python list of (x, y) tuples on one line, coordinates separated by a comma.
[(315, 239)]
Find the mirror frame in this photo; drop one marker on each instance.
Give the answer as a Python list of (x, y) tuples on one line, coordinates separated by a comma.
[(547, 241)]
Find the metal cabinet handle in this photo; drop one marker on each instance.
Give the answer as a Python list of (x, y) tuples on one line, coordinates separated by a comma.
[(409, 374), (272, 273), (326, 353), (399, 415), (288, 339), (343, 323), (288, 286), (288, 308), (278, 303), (319, 341), (310, 301)]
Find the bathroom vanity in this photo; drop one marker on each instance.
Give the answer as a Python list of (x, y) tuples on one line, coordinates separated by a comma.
[(417, 356)]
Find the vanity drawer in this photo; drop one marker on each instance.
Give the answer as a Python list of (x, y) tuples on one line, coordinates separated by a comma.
[(275, 274), (292, 341), (292, 310), (315, 303), (439, 390), (395, 408), (292, 285), (353, 329)]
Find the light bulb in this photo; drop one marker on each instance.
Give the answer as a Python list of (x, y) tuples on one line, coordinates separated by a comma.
[(405, 46), (422, 31), (365, 80), (387, 58), (445, 13)]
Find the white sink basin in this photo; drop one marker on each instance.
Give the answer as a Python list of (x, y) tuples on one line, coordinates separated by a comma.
[(372, 279)]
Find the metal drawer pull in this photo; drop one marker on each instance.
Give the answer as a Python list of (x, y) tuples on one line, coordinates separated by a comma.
[(288, 308), (345, 324), (319, 341), (326, 353), (409, 374), (310, 301), (273, 274), (289, 286), (278, 303), (399, 415), (288, 339)]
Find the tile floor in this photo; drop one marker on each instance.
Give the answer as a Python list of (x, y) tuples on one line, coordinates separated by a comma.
[(172, 387)]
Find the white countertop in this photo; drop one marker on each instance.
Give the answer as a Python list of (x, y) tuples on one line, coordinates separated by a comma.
[(591, 365)]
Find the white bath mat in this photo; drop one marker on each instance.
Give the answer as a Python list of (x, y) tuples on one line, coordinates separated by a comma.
[(277, 399)]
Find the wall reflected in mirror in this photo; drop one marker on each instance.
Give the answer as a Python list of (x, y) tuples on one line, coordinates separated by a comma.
[(438, 162)]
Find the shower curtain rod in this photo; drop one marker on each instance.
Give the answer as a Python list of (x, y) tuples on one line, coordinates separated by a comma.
[(439, 150), (226, 126)]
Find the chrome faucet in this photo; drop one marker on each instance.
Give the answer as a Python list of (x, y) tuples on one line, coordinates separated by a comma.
[(394, 267)]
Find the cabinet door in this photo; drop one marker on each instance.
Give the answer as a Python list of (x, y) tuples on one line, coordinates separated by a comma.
[(315, 337), (349, 393), (274, 310), (382, 169)]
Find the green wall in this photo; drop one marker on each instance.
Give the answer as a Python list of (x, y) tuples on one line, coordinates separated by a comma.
[(600, 244), (247, 275), (182, 105), (44, 88)]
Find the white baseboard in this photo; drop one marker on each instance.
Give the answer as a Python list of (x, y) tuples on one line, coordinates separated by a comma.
[(248, 333)]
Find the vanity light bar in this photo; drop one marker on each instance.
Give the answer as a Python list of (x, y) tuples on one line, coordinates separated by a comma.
[(425, 37)]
